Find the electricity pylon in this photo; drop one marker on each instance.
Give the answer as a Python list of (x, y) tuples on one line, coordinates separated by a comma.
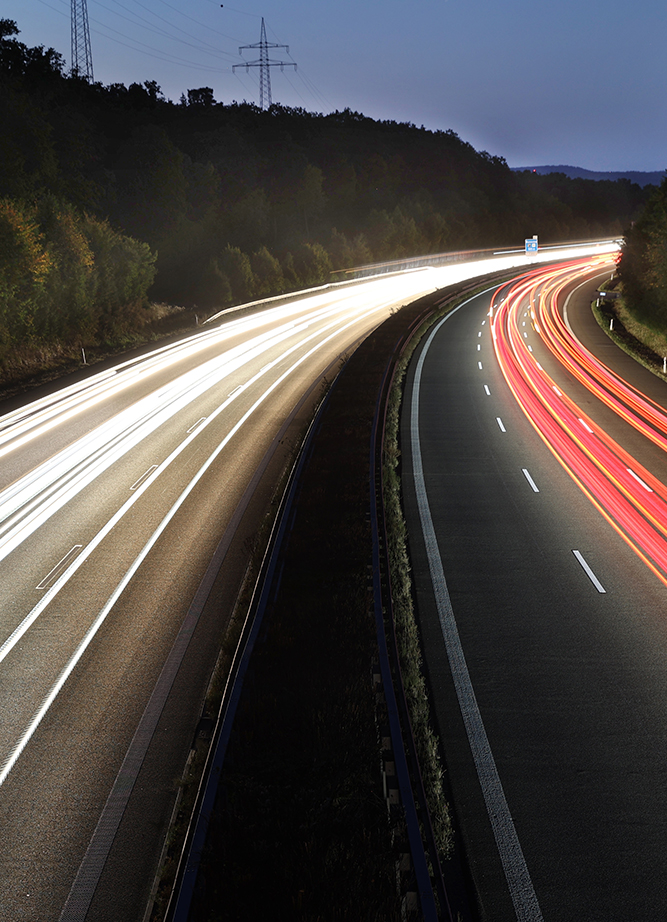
[(82, 56), (265, 64)]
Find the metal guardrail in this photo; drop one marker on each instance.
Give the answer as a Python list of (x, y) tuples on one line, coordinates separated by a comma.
[(392, 684)]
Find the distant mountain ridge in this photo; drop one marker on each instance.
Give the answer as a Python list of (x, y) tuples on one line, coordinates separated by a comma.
[(577, 172)]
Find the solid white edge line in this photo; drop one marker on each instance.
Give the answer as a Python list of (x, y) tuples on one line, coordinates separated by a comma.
[(514, 865), (589, 573), (530, 480)]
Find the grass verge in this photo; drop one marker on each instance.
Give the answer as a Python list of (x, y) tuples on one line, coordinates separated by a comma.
[(646, 345)]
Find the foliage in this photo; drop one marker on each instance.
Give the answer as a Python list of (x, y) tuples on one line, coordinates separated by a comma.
[(67, 276), (643, 264), (241, 203)]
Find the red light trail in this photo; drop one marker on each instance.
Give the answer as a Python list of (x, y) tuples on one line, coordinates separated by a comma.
[(630, 498)]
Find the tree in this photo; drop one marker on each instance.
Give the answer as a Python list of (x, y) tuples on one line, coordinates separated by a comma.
[(643, 264), (24, 268), (201, 97), (267, 273), (312, 264), (236, 266)]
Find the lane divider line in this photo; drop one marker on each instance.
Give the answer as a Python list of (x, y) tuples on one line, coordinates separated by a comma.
[(589, 573), (60, 567), (31, 617), (137, 483), (638, 479), (202, 419), (11, 759), (500, 424), (530, 480), (514, 865)]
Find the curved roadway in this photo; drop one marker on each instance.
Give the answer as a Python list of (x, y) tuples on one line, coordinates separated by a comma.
[(115, 492), (554, 710)]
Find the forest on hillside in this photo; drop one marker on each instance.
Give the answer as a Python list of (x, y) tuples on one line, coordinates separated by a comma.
[(643, 265), (113, 196)]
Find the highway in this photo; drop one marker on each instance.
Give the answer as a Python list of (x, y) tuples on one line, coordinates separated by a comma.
[(117, 491), (114, 494), (534, 478)]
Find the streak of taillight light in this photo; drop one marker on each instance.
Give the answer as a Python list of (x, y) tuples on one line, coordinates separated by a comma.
[(606, 473)]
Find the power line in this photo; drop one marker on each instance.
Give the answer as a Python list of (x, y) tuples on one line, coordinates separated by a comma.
[(202, 47), (198, 22), (137, 46), (265, 64)]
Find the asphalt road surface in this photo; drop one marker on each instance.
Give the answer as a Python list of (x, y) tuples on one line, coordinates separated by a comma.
[(553, 714), (114, 494)]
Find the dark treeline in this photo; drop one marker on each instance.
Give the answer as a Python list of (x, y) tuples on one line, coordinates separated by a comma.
[(114, 193), (643, 264)]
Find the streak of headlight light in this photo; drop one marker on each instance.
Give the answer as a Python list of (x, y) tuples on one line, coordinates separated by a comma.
[(15, 754), (185, 388), (98, 450), (35, 495), (24, 425), (43, 415)]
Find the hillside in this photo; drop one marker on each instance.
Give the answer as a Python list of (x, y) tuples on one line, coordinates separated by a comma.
[(112, 197), (576, 172)]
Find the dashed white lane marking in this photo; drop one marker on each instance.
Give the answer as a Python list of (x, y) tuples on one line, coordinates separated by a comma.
[(60, 567), (585, 425), (530, 480), (511, 855), (486, 388), (638, 479), (201, 420), (589, 573), (137, 483), (500, 423), (479, 365)]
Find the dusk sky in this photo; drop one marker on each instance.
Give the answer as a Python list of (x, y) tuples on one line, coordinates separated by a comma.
[(564, 82)]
